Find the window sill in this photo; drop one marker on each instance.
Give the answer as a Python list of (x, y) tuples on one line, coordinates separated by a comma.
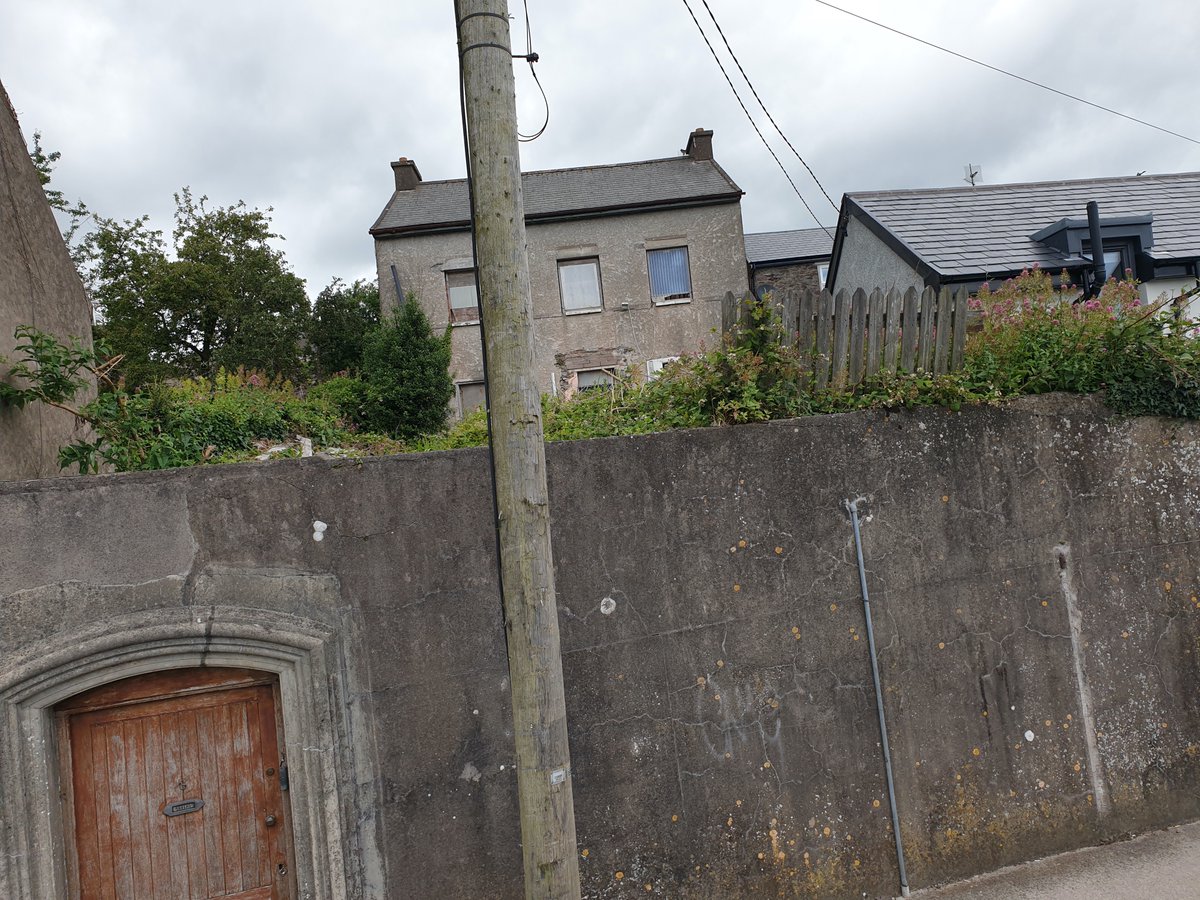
[(583, 312), (676, 302), (463, 324)]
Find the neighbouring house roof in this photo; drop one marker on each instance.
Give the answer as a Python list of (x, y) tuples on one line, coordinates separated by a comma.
[(781, 247), (556, 194), (968, 232)]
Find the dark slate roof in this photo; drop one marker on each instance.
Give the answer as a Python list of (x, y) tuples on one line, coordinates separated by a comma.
[(560, 193), (985, 230), (784, 246)]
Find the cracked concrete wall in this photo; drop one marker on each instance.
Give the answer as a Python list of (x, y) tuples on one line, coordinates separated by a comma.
[(1034, 578)]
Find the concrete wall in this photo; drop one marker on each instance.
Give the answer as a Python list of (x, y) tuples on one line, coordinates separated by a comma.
[(1034, 574), (618, 336), (868, 262), (39, 287)]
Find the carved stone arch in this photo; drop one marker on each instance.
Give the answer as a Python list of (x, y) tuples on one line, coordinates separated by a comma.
[(336, 844)]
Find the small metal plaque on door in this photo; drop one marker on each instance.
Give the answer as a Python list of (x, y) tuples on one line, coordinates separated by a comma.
[(183, 807)]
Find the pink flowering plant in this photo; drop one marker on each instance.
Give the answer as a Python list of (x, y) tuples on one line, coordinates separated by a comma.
[(1037, 337)]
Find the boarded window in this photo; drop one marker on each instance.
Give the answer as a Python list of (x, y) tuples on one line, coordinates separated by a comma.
[(463, 295), (579, 284), (670, 281), (471, 396)]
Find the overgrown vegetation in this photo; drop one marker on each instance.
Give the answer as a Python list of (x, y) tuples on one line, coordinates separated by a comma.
[(1032, 339), (208, 351), (220, 297)]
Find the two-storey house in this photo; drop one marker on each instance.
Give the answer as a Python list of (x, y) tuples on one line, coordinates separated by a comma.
[(628, 264)]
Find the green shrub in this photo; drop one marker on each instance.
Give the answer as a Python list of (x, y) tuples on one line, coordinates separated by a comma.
[(1036, 339), (346, 394), (1033, 339), (406, 374)]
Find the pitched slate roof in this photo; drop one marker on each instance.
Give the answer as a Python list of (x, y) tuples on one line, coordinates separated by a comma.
[(985, 230), (562, 193), (782, 246)]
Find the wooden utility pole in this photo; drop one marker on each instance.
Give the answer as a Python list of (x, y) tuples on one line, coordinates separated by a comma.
[(518, 455)]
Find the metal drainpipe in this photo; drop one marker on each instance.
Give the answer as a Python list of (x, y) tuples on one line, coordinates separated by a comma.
[(852, 508), (1097, 242), (396, 282)]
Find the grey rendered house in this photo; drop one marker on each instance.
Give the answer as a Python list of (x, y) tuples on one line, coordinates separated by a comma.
[(964, 236), (628, 264), (788, 261)]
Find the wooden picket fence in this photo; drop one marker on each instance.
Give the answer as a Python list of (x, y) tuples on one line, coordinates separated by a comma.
[(851, 336)]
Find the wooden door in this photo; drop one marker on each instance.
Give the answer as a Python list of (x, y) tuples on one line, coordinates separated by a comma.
[(174, 788)]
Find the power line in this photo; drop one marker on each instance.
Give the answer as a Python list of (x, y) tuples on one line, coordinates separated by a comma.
[(750, 84), (1036, 84), (754, 124), (530, 57)]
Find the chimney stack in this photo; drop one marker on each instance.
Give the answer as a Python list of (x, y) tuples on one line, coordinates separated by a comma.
[(408, 176), (699, 144)]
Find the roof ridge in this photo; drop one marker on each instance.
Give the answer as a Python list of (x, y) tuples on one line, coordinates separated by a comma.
[(1011, 186), (784, 231), (621, 165)]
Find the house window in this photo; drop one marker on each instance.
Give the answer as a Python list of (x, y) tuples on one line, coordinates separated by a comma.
[(654, 366), (1118, 257), (589, 379), (471, 396), (822, 275), (579, 285), (463, 296), (670, 281)]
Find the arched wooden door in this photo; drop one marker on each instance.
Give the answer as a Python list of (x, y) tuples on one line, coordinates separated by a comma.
[(174, 787)]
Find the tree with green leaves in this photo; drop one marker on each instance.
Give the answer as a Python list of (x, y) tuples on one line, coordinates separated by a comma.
[(223, 299), (76, 213), (406, 375), (342, 317)]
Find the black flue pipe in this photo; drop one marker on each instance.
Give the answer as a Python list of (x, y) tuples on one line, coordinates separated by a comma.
[(1098, 271)]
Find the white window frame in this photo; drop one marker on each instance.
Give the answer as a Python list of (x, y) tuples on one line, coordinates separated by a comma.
[(450, 297), (608, 379), (590, 261), (655, 366), (822, 274)]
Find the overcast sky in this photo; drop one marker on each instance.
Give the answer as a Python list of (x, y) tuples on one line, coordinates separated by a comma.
[(301, 105)]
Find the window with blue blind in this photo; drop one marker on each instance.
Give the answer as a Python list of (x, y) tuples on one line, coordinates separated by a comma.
[(670, 280)]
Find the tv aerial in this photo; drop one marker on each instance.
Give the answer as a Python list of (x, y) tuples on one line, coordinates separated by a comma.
[(973, 174)]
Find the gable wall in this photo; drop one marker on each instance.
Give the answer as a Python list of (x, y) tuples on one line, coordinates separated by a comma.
[(869, 263), (38, 286)]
